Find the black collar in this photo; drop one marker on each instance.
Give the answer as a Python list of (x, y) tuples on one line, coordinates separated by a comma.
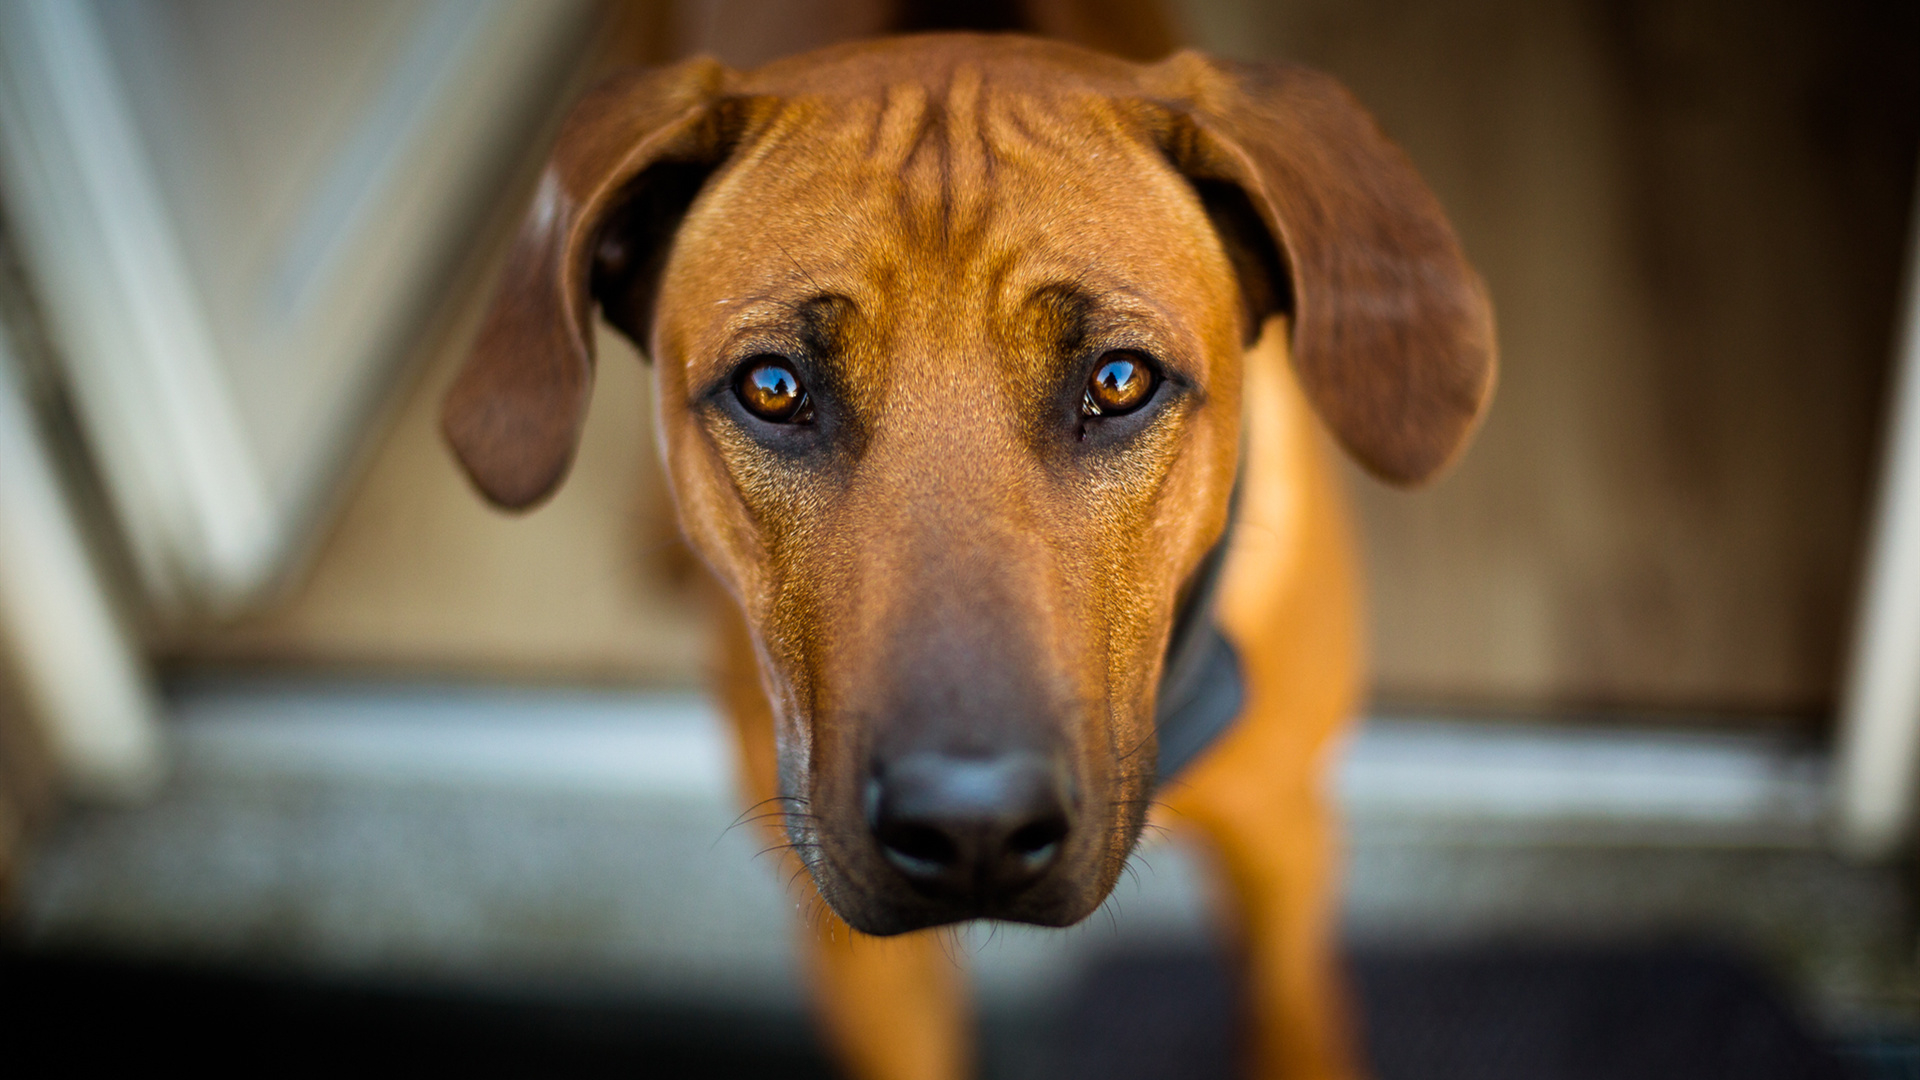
[(1201, 687)]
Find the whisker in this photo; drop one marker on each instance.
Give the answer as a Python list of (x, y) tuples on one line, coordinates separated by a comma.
[(796, 265), (794, 848), (752, 813)]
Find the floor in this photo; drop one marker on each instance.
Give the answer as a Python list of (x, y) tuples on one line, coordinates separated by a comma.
[(529, 870), (1650, 1012)]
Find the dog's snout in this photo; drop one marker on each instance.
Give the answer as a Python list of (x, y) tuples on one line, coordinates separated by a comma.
[(970, 829)]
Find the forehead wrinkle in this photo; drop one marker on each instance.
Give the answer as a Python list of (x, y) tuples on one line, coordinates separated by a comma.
[(1029, 128), (936, 164), (970, 154), (931, 148), (896, 125)]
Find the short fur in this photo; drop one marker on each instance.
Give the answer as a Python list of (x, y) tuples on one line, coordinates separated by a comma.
[(944, 233)]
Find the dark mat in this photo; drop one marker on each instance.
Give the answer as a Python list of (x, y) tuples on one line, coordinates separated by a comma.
[(1481, 1013), (91, 1014), (1508, 1013)]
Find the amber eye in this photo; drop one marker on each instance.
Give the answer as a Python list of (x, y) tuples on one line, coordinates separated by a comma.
[(771, 391), (1122, 383)]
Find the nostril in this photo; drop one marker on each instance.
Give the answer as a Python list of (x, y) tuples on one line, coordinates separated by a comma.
[(919, 843), (1038, 838)]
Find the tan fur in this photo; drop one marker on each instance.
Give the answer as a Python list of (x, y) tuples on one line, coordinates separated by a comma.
[(945, 229)]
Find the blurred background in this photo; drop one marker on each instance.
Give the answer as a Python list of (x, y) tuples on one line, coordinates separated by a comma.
[(302, 744)]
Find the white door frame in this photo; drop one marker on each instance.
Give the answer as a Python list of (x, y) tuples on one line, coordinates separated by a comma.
[(223, 399), (1878, 754)]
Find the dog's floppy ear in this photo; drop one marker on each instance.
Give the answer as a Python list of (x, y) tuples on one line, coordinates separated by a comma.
[(1392, 330), (514, 412)]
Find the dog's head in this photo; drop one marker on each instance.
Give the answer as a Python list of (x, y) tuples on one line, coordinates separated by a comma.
[(948, 334)]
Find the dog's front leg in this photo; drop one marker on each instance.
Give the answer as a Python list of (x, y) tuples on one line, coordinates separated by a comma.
[(891, 1008), (1277, 855), (1290, 603)]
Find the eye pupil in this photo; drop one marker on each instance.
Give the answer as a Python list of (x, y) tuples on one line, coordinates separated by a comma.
[(770, 390), (1121, 384)]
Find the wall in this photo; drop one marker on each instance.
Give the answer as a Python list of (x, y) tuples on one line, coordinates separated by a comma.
[(1690, 216)]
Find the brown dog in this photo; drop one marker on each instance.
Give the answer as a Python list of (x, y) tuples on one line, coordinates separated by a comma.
[(973, 390)]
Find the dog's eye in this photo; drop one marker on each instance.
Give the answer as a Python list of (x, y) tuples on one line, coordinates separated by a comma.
[(770, 390), (1122, 383)]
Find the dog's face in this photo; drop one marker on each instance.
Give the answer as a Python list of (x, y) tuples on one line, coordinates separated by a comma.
[(948, 336), (1004, 411)]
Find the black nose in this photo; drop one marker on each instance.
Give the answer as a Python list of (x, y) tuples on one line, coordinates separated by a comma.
[(977, 829)]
